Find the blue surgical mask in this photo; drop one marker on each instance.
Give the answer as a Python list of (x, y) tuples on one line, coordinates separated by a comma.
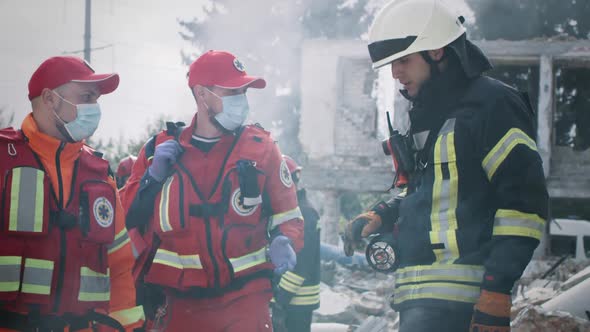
[(235, 111), (85, 123)]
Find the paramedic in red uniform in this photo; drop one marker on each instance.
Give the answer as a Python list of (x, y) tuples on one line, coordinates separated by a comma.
[(212, 210), (65, 255)]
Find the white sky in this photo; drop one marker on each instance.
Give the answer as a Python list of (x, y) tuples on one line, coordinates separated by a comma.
[(145, 53)]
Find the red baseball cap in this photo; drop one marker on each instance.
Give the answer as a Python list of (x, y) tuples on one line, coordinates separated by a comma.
[(221, 69), (59, 70)]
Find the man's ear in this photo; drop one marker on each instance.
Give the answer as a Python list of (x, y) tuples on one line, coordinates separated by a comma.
[(437, 54), (49, 98)]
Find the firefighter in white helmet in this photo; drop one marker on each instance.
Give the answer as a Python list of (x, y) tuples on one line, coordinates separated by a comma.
[(476, 201)]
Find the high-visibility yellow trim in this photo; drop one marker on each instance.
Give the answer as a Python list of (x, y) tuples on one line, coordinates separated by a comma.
[(437, 290), (279, 218), (168, 262), (172, 259), (129, 316), (10, 278), (86, 272), (309, 290), (502, 149), (14, 193), (11, 260), (516, 223), (440, 272), (294, 278), (249, 260), (94, 297), (517, 231), (9, 286), (121, 239), (39, 200), (39, 263), (288, 286), (453, 183), (305, 300), (36, 289), (445, 196), (164, 205)]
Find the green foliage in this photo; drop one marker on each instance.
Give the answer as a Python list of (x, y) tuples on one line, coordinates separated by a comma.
[(116, 149)]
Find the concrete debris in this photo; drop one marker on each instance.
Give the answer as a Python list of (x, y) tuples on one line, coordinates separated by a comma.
[(373, 324), (576, 279), (575, 300), (536, 319), (330, 327), (370, 303)]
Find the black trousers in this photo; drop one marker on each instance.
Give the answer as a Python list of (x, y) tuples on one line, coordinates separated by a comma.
[(299, 321), (429, 319)]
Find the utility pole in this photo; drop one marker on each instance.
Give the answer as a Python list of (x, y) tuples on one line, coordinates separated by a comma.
[(87, 26)]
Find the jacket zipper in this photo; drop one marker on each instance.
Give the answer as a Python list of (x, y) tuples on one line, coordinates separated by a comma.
[(62, 232)]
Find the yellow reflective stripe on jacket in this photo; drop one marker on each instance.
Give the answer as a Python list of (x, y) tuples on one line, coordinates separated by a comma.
[(436, 290), (440, 272), (516, 223), (121, 239), (249, 260), (94, 286), (129, 316), (444, 195), (37, 276), (291, 282), (305, 300), (26, 200), (502, 149), (309, 290), (10, 273), (278, 219), (164, 205), (172, 259)]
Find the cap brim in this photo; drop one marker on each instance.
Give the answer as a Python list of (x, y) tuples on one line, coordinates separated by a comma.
[(243, 81), (106, 83)]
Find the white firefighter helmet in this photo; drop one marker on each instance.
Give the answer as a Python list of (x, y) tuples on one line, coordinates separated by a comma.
[(404, 27)]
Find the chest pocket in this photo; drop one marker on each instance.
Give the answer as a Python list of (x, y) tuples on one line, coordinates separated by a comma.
[(443, 234), (97, 211)]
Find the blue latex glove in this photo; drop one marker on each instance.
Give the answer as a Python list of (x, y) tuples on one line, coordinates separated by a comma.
[(282, 254), (165, 157)]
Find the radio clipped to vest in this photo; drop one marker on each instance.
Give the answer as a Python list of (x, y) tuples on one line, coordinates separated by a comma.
[(248, 178), (399, 147)]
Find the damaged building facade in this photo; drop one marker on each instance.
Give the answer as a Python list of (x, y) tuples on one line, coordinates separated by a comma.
[(343, 104)]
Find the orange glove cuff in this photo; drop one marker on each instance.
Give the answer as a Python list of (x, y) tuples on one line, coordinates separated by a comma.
[(494, 304)]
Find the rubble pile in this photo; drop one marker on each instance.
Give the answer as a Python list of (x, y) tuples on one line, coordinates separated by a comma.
[(553, 295), (356, 297)]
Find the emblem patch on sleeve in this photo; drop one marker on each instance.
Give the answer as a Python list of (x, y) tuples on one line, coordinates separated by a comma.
[(285, 175), (103, 212), (240, 209)]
